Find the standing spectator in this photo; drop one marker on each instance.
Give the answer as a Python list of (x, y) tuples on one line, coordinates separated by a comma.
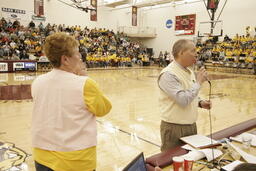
[(64, 134), (41, 27)]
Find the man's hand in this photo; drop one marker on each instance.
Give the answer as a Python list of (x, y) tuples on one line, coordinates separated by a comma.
[(206, 104), (201, 76)]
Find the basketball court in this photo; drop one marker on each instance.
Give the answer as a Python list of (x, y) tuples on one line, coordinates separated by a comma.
[(133, 124)]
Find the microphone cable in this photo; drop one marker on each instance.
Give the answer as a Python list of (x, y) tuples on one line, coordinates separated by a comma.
[(210, 119)]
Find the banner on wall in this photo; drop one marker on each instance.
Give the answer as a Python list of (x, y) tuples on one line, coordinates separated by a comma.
[(185, 24), (13, 14), (3, 66), (42, 18), (93, 13), (39, 8), (134, 16), (212, 4)]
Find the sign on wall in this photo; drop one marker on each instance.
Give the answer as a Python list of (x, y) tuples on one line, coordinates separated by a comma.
[(93, 13), (24, 66), (18, 65), (3, 66), (169, 24), (134, 16), (13, 14), (30, 65), (11, 10), (185, 24)]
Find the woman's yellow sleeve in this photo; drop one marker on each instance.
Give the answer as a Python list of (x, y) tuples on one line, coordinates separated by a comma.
[(96, 102)]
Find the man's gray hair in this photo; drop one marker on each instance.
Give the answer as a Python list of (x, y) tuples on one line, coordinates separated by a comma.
[(179, 46)]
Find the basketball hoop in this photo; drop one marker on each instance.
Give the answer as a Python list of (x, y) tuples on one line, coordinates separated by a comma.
[(205, 28)]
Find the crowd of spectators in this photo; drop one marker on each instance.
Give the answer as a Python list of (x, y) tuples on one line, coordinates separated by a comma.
[(99, 47)]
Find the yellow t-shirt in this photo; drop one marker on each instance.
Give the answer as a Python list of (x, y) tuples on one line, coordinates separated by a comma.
[(237, 52), (254, 53), (28, 42), (229, 53), (81, 160)]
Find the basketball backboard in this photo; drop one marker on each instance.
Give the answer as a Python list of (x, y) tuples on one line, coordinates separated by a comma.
[(210, 29)]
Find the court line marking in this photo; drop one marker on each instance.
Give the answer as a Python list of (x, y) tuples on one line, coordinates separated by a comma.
[(128, 133)]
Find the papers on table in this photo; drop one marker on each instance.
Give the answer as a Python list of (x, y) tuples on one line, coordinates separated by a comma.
[(195, 155), (202, 153), (250, 136), (247, 157), (198, 141), (232, 165), (211, 153), (188, 147)]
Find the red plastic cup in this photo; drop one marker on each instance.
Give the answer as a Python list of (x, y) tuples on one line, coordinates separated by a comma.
[(188, 163), (178, 163)]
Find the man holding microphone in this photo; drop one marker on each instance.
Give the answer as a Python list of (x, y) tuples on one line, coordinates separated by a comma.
[(179, 88)]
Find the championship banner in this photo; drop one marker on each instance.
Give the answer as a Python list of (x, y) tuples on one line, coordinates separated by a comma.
[(212, 4), (134, 16), (185, 25), (3, 67), (93, 13), (39, 7), (13, 14)]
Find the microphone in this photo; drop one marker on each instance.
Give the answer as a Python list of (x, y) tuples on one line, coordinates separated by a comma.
[(208, 80), (207, 76)]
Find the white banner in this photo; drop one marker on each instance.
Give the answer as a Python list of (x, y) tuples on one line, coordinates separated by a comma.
[(15, 14), (18, 65), (3, 66)]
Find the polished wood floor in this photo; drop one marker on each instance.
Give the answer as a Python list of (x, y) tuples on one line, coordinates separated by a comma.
[(133, 124)]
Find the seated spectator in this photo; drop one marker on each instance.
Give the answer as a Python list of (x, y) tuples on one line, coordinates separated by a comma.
[(1, 52), (24, 55), (14, 57), (15, 38)]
